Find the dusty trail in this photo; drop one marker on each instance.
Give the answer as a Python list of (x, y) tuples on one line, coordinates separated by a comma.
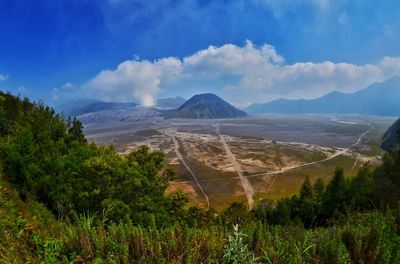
[(248, 189), (180, 157), (211, 180), (339, 153), (355, 163), (329, 158)]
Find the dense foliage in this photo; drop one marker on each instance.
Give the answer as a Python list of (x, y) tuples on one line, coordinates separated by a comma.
[(46, 156), (316, 205), (29, 233), (113, 208)]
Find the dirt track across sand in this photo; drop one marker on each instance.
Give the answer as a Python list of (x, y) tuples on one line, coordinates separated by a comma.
[(180, 157), (247, 187)]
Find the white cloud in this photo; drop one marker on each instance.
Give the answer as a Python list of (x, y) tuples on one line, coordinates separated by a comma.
[(3, 77), (133, 79), (259, 74), (231, 59)]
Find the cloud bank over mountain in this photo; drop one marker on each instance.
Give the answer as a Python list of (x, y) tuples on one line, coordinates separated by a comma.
[(242, 74)]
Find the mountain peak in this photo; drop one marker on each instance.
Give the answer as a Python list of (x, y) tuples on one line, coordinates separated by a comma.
[(206, 106)]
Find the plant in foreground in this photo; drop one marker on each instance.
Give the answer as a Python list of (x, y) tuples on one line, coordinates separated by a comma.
[(236, 251)]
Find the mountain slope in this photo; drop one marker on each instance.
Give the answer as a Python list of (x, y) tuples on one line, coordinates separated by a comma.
[(206, 106), (392, 136), (85, 106), (170, 103), (377, 99)]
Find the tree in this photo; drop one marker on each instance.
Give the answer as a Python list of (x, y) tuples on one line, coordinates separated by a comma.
[(334, 204), (387, 180), (282, 213), (306, 203), (3, 120), (47, 156), (361, 190), (319, 191), (75, 130)]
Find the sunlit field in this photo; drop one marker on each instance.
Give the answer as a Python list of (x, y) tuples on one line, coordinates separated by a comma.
[(274, 152)]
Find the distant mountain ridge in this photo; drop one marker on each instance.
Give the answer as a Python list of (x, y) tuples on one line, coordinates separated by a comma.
[(391, 138), (84, 106), (377, 99), (206, 106), (202, 106)]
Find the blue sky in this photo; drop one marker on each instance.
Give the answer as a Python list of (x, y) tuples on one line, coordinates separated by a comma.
[(146, 49)]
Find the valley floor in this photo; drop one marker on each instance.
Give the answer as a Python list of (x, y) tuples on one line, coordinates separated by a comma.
[(250, 159)]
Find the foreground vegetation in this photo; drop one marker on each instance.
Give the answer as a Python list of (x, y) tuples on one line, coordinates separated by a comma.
[(29, 233), (65, 200)]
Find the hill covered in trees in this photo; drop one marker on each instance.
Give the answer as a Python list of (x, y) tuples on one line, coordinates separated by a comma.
[(46, 156), (64, 200)]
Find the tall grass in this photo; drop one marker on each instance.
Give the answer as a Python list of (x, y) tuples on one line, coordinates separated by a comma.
[(371, 238), (30, 234)]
